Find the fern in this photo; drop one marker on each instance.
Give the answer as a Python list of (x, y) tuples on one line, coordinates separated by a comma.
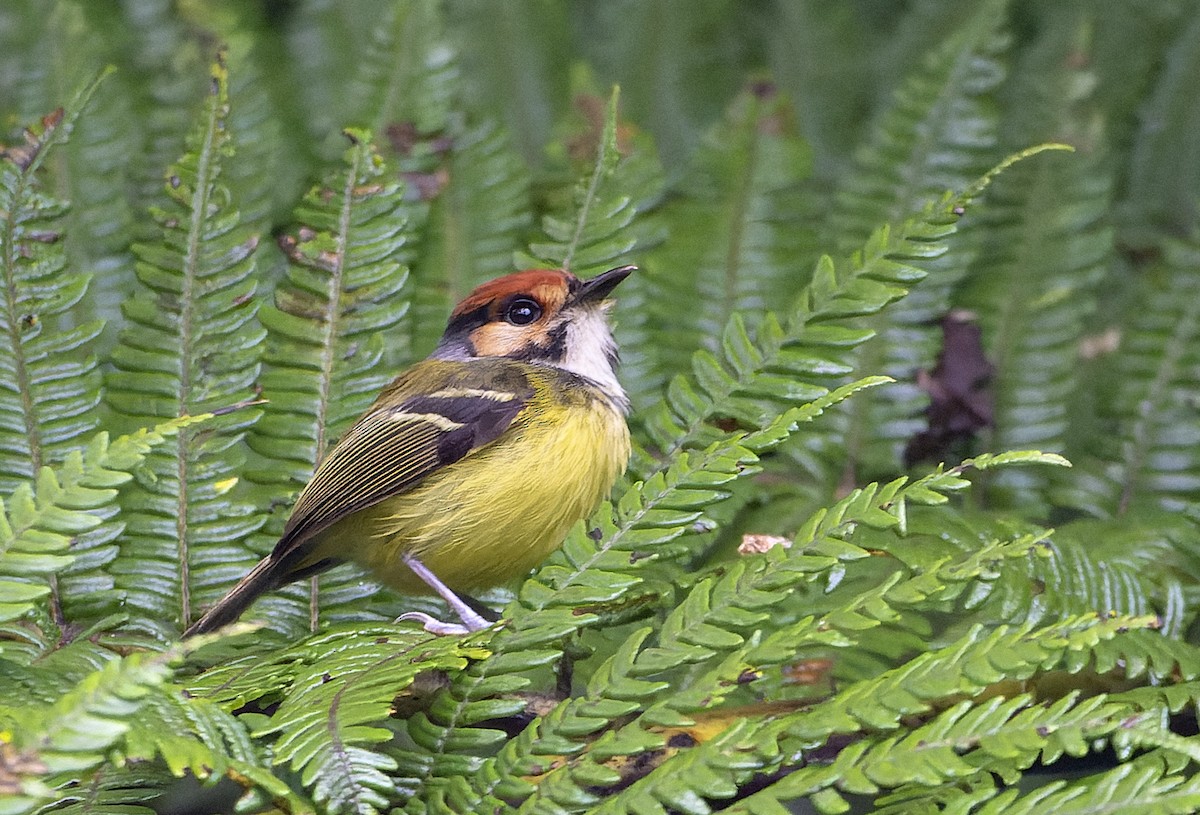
[(54, 381), (477, 221), (71, 735), (605, 222), (1147, 458), (939, 132), (335, 707), (959, 668), (737, 239), (167, 68), (326, 337), (190, 345), (1162, 164), (1049, 243), (42, 520)]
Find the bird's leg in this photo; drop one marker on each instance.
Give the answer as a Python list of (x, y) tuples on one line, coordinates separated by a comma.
[(471, 620)]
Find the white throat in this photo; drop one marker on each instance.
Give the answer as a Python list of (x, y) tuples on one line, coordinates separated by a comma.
[(592, 353)]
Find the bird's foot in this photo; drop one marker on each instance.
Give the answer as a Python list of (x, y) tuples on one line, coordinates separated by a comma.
[(444, 629)]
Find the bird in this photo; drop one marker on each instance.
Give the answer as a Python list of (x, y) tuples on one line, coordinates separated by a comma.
[(472, 465)]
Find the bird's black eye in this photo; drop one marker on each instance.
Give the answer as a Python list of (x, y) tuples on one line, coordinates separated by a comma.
[(522, 311)]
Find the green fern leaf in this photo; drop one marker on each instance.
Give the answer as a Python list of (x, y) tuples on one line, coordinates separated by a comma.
[(1162, 184), (337, 689), (72, 735), (476, 223), (938, 133), (965, 667), (606, 222), (43, 523), (55, 384), (1148, 456), (167, 77), (326, 337), (190, 345), (1047, 244), (738, 240), (110, 789), (1147, 785)]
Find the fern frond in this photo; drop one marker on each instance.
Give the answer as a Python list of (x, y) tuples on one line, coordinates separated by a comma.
[(476, 222), (344, 294), (190, 345), (111, 789), (740, 240), (965, 667), (337, 689), (1162, 183), (606, 222), (407, 74), (64, 739), (54, 526), (1046, 247), (1152, 785), (1148, 453), (939, 132), (265, 170), (166, 68), (52, 384)]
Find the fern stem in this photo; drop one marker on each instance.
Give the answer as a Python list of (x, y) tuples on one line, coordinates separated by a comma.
[(13, 324), (1187, 328), (333, 290), (602, 169), (737, 225), (205, 176)]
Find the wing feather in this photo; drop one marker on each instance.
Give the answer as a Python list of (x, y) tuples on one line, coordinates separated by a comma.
[(393, 448)]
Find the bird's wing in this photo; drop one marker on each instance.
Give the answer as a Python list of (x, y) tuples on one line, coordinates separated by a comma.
[(406, 436)]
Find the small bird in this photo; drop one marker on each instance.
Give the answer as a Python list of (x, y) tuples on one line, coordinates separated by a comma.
[(472, 465)]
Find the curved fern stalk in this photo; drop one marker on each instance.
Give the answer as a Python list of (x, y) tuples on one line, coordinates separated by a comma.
[(54, 384), (476, 222), (337, 690), (1152, 784), (1047, 243), (326, 332), (738, 237), (62, 740), (190, 344), (1162, 188), (709, 643), (939, 133), (41, 522), (1153, 458), (966, 667), (607, 222)]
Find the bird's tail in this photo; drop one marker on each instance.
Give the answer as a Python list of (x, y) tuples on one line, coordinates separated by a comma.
[(266, 576)]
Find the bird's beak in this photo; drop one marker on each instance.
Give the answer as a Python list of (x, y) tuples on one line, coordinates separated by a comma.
[(597, 288)]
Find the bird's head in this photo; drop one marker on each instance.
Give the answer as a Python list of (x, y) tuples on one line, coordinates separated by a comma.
[(543, 316)]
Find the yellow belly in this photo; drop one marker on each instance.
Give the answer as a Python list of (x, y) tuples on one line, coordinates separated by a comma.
[(495, 514)]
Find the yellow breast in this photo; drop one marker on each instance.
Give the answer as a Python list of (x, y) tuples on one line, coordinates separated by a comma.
[(500, 511)]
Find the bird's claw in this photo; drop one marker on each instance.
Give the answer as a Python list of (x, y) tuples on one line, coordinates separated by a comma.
[(434, 625)]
